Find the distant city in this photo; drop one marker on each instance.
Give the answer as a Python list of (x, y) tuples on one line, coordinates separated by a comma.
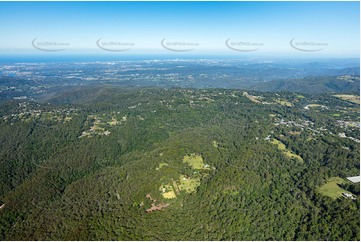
[(27, 80)]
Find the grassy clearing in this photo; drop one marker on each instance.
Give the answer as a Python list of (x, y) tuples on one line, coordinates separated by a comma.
[(195, 161), (187, 184), (284, 102), (293, 155), (332, 189), (281, 146), (167, 191), (175, 186), (252, 98), (300, 96), (169, 195), (313, 105), (350, 98), (95, 128)]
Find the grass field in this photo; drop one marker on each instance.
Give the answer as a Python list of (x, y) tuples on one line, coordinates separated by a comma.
[(167, 191), (332, 189), (195, 161), (350, 98), (281, 146), (250, 97), (314, 105), (187, 184), (169, 195), (284, 102)]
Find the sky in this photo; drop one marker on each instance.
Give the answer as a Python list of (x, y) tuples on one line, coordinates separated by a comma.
[(252, 28)]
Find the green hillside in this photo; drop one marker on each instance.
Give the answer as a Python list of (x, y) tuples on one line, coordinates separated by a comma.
[(312, 85), (177, 164)]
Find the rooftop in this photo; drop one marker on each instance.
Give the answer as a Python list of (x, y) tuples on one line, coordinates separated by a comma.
[(354, 179)]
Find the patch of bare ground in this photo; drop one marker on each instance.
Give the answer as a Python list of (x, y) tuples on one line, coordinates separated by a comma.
[(154, 207)]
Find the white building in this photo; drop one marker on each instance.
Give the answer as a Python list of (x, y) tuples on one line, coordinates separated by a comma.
[(354, 179)]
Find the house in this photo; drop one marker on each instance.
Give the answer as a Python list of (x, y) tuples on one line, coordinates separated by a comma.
[(268, 138), (348, 195), (354, 179)]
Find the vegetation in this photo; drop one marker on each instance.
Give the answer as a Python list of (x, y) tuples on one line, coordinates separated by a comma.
[(284, 103), (184, 164), (350, 98), (312, 84), (314, 105), (332, 188), (195, 161), (286, 152)]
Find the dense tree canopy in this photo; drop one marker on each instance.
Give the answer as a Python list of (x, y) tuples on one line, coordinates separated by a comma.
[(80, 166)]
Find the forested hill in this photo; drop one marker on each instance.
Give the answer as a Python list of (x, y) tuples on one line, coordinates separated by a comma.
[(323, 84), (179, 164)]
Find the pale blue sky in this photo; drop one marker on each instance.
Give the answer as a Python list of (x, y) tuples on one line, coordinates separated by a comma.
[(209, 24)]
